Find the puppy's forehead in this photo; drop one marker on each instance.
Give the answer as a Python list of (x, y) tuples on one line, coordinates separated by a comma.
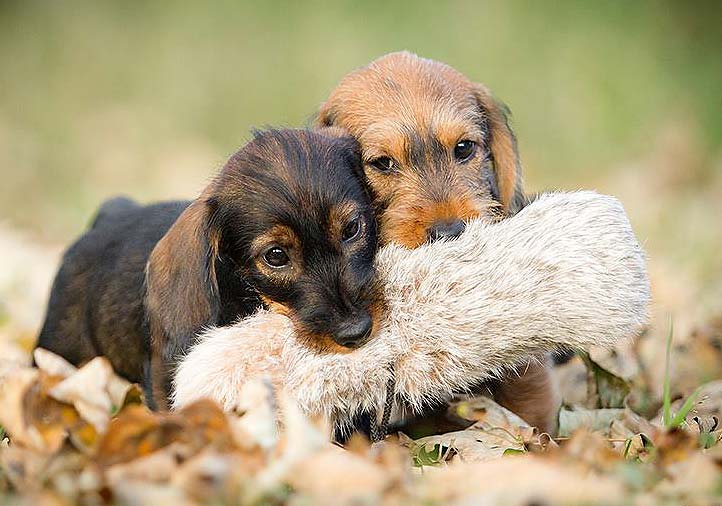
[(400, 93), (287, 168), (393, 136)]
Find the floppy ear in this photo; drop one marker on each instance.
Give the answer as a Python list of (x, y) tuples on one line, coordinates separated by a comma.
[(182, 291), (352, 150), (325, 116), (502, 144)]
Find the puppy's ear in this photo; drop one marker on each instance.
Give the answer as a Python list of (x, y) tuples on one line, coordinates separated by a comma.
[(503, 148), (352, 151), (336, 132), (326, 116), (182, 290)]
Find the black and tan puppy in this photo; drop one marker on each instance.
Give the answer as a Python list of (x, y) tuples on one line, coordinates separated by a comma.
[(286, 223), (437, 151)]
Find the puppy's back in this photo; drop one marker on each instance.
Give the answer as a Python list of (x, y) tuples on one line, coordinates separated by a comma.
[(96, 302), (113, 211)]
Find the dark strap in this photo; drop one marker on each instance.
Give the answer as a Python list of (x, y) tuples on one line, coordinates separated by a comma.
[(378, 431)]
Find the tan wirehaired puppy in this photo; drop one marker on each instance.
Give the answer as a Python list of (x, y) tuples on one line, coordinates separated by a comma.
[(438, 151)]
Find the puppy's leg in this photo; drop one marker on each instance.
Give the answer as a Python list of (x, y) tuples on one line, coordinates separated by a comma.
[(532, 393)]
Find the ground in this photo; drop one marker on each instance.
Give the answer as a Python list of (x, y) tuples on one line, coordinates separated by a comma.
[(82, 436)]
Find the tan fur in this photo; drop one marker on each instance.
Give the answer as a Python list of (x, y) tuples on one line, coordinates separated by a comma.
[(565, 271), (399, 97), (177, 287)]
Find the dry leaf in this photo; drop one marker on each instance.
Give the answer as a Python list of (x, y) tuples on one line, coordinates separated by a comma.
[(87, 390), (335, 476), (592, 419), (212, 476), (158, 467), (606, 389), (487, 414), (258, 425), (528, 479), (53, 364), (471, 445)]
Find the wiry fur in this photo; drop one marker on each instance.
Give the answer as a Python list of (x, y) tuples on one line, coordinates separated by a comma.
[(145, 280), (565, 271)]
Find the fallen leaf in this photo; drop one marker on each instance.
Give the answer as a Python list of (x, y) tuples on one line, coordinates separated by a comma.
[(136, 432), (212, 476), (487, 414), (53, 364), (258, 425), (592, 419), (606, 390), (521, 480), (590, 450), (471, 445), (335, 476), (639, 447), (87, 390)]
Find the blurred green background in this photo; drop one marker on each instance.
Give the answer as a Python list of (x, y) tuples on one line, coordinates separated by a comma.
[(149, 98)]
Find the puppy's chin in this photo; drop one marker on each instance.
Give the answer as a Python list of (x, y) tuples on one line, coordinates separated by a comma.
[(319, 343), (323, 343)]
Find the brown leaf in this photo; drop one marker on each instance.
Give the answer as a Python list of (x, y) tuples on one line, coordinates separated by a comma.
[(591, 450), (87, 390), (695, 478), (136, 432), (572, 380), (335, 476), (158, 466), (144, 493), (526, 479), (12, 358), (212, 476), (35, 420), (23, 467), (638, 446), (674, 446), (487, 414)]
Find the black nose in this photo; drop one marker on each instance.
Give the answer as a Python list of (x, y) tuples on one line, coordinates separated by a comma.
[(355, 331), (447, 229)]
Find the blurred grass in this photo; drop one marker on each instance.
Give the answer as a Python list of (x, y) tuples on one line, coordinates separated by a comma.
[(148, 99), (98, 98)]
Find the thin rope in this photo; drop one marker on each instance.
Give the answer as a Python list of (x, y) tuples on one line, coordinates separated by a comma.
[(378, 431)]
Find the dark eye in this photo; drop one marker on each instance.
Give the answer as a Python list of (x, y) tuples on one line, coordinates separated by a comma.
[(464, 150), (351, 230), (383, 164), (275, 257)]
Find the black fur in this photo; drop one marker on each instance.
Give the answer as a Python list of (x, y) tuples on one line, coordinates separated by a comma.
[(96, 303), (104, 303)]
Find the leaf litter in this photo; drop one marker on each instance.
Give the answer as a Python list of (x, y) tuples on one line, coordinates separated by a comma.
[(83, 436)]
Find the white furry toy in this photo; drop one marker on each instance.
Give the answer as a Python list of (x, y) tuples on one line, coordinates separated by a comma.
[(567, 270)]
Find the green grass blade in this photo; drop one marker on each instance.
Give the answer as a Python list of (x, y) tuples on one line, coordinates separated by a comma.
[(667, 399), (680, 416)]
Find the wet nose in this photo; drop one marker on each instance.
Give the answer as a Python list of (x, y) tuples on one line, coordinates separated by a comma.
[(355, 331), (446, 229)]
